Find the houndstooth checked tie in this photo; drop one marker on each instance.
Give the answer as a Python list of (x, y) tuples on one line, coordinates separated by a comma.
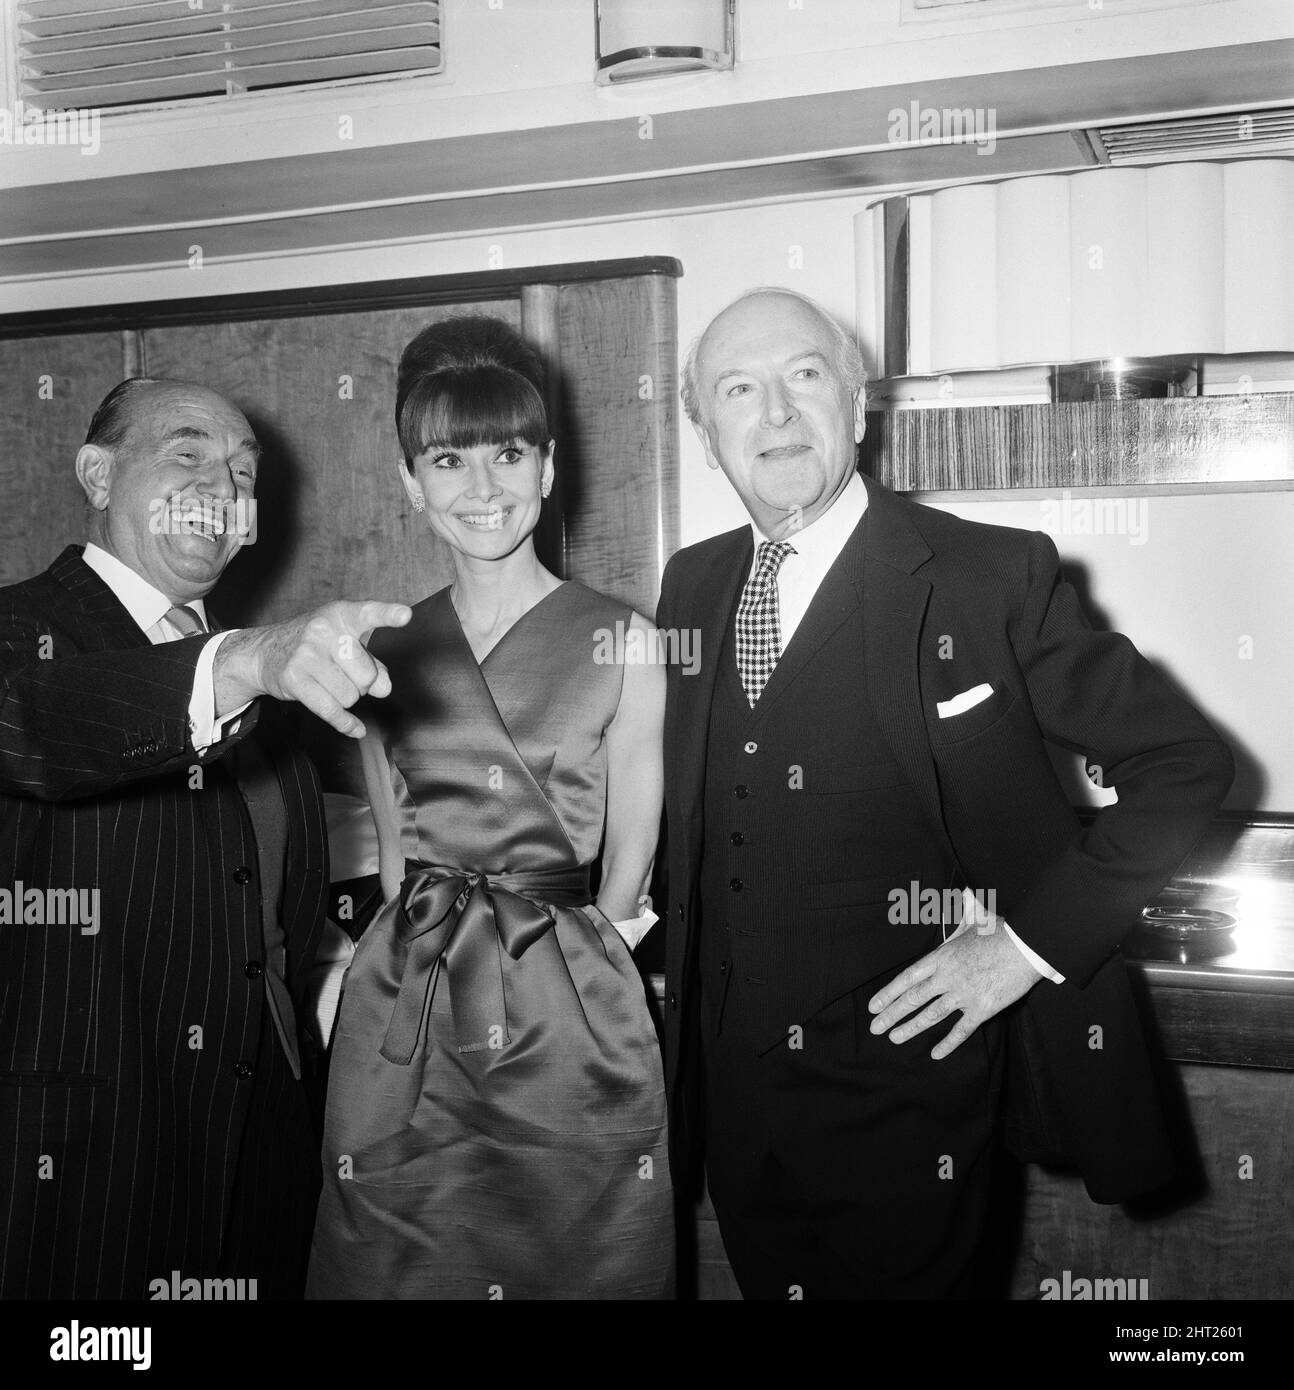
[(759, 635), (186, 620)]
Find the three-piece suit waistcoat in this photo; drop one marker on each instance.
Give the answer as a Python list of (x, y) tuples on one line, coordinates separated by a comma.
[(810, 827)]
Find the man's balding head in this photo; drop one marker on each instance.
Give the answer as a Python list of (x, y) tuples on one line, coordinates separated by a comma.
[(775, 390), (169, 471), (849, 360)]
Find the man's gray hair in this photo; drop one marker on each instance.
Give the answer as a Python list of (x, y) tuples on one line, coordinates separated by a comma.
[(849, 360)]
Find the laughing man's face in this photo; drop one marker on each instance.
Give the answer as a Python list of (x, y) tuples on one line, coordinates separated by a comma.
[(174, 496)]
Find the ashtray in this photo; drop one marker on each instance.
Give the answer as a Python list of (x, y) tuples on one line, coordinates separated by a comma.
[(1168, 931), (1196, 896)]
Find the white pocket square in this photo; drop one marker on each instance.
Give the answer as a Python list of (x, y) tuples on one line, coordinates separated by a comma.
[(968, 699)]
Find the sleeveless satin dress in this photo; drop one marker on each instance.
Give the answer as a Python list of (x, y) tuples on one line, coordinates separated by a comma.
[(495, 1121)]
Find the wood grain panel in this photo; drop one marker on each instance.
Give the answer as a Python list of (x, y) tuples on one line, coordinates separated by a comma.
[(1226, 1237), (541, 325), (1226, 1026), (333, 521), (1212, 440), (618, 433), (44, 507)]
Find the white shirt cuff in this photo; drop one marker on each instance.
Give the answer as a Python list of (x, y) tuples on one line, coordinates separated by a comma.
[(204, 728), (1034, 958), (635, 928), (327, 976)]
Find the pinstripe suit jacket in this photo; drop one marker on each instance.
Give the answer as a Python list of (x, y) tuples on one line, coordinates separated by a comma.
[(124, 1050)]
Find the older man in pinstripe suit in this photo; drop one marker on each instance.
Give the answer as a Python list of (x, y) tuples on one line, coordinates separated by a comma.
[(152, 1118)]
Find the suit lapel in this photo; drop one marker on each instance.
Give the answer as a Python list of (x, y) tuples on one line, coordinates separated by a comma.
[(710, 606), (895, 599), (111, 625)]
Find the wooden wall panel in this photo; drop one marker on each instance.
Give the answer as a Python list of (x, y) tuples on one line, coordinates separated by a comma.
[(541, 324), (618, 433), (314, 370), (42, 507), (1227, 1239), (332, 518)]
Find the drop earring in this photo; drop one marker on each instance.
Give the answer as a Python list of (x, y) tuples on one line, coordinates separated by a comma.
[(419, 504)]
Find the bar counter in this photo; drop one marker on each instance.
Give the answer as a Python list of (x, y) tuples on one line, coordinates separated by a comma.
[(1234, 1008)]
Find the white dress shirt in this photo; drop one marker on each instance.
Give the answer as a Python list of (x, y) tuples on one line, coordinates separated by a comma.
[(817, 548), (148, 607)]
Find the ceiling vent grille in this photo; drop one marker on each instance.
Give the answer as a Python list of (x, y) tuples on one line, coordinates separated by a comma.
[(1233, 135), (85, 53)]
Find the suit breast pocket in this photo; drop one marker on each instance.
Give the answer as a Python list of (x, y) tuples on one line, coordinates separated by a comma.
[(956, 728)]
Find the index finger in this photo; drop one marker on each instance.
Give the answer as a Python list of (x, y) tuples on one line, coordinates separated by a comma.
[(904, 980), (371, 613)]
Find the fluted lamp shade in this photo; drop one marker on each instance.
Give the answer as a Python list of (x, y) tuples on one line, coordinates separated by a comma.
[(639, 39), (1125, 262)]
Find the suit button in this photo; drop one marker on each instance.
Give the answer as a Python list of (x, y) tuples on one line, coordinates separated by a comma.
[(253, 970), (673, 1000), (737, 838), (242, 1070), (735, 885), (680, 912), (742, 791), (723, 967), (242, 874), (752, 748)]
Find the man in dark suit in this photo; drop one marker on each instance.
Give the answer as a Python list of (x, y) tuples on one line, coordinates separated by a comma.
[(154, 1124), (877, 680)]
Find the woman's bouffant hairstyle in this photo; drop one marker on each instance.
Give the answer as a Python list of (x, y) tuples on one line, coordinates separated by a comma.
[(469, 381)]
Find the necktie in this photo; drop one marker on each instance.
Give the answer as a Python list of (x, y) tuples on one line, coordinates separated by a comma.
[(759, 637), (186, 620)]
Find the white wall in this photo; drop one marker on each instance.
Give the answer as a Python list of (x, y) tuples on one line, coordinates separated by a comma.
[(1203, 585)]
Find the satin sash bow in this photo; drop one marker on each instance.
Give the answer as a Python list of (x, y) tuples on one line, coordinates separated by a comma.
[(461, 919)]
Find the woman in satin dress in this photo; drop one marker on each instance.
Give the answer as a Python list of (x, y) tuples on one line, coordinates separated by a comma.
[(495, 1121)]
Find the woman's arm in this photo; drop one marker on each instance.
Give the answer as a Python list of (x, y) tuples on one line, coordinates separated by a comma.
[(381, 798), (635, 783)]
